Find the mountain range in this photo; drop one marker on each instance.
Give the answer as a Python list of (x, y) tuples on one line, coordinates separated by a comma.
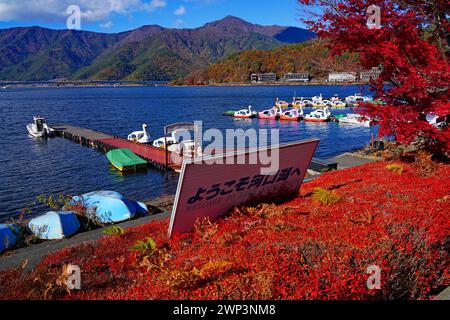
[(147, 53)]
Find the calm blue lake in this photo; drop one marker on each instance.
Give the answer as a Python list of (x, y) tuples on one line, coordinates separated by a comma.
[(32, 167)]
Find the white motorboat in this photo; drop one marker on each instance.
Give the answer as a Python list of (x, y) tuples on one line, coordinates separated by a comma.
[(355, 119), (322, 115), (39, 128), (436, 121), (142, 137)]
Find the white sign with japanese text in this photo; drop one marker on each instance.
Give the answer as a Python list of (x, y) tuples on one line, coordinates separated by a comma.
[(211, 190)]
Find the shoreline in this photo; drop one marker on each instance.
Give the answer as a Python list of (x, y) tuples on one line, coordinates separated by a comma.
[(5, 85), (159, 209)]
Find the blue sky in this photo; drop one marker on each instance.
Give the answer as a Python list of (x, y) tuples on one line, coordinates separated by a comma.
[(122, 15)]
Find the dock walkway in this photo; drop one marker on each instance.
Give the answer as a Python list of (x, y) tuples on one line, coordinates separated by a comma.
[(158, 158), (162, 159)]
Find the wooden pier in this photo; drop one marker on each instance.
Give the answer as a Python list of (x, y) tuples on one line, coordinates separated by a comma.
[(158, 158), (163, 159)]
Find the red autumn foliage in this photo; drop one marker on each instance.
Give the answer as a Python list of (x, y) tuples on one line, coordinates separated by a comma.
[(300, 250), (412, 48)]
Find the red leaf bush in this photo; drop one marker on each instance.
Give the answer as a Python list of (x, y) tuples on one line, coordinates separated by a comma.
[(299, 250), (411, 49)]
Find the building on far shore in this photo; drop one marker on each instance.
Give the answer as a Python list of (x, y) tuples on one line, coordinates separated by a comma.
[(297, 77), (263, 77), (342, 77), (367, 76)]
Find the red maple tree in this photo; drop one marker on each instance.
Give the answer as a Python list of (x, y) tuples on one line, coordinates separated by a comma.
[(411, 47)]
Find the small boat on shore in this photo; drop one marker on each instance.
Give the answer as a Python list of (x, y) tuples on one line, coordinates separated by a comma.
[(322, 115), (8, 237), (106, 207), (271, 114), (142, 137), (292, 115), (55, 225), (244, 113), (39, 128), (125, 160)]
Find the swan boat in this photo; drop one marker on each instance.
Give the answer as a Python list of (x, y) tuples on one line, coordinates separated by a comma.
[(322, 115), (271, 114), (180, 142), (142, 137), (292, 115), (39, 128), (281, 104), (298, 103), (244, 113)]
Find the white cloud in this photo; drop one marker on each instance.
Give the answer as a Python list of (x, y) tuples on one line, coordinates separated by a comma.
[(55, 10), (106, 25), (180, 11), (178, 23)]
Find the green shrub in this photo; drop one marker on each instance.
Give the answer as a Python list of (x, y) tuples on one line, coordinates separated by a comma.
[(396, 167), (146, 247), (326, 197), (114, 231)]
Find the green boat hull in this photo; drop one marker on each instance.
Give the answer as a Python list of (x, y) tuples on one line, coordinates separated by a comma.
[(125, 160), (229, 113)]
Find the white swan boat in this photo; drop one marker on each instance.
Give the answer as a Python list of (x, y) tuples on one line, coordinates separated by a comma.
[(245, 113), (281, 104), (292, 115), (355, 119), (180, 142), (322, 115), (142, 137), (39, 128)]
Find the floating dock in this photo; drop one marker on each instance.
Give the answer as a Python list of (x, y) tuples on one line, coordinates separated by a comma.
[(158, 158)]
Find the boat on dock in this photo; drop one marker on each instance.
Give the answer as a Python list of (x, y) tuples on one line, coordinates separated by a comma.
[(142, 137), (39, 128), (125, 160)]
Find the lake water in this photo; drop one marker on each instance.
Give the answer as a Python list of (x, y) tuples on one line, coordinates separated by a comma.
[(31, 167)]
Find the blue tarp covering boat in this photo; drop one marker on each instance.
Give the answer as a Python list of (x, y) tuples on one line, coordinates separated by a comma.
[(55, 225), (8, 237), (111, 206)]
